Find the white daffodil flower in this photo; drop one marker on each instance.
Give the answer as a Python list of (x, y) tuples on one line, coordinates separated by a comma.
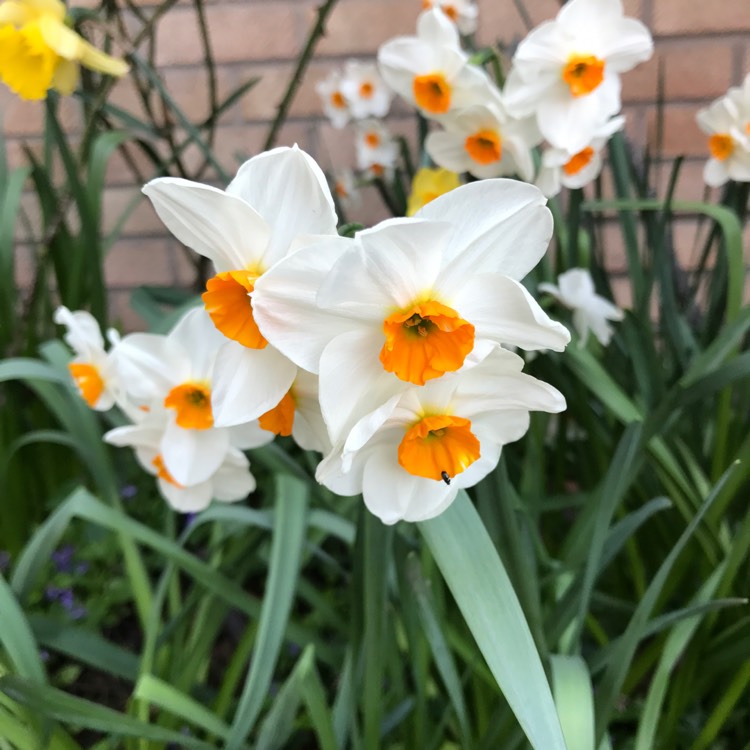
[(92, 368), (430, 69), (567, 71), (230, 481), (464, 13), (365, 90), (377, 150), (277, 201), (411, 299), (485, 142), (335, 103), (410, 458), (575, 290), (727, 123), (562, 168)]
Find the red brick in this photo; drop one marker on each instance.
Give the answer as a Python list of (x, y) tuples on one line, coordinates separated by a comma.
[(359, 27), (698, 17), (141, 220), (682, 136), (686, 74), (263, 30), (131, 262)]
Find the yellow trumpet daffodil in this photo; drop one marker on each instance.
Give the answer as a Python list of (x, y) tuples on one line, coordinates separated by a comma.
[(39, 50)]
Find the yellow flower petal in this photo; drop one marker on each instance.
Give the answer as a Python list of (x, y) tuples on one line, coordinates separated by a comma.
[(27, 65)]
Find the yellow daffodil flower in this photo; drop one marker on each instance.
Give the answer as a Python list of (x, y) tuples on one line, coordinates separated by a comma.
[(39, 51), (427, 185)]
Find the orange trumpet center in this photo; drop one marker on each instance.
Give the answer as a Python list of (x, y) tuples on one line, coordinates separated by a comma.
[(227, 301), (163, 473), (485, 146), (425, 341), (721, 146), (192, 402), (432, 93), (583, 73), (578, 161), (366, 90), (280, 419), (88, 380), (438, 447), (337, 99)]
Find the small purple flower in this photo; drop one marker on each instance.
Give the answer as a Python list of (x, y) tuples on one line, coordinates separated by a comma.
[(4, 560), (44, 655), (63, 558), (128, 492), (53, 593)]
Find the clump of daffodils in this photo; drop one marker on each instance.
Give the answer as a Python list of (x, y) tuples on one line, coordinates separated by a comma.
[(388, 353), (726, 122), (39, 51)]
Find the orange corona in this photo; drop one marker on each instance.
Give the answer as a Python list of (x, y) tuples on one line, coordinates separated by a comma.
[(425, 341), (192, 402), (280, 419), (484, 147), (583, 74), (438, 446), (432, 93), (89, 381)]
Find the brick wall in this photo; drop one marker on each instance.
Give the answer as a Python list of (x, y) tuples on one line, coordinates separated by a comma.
[(704, 47)]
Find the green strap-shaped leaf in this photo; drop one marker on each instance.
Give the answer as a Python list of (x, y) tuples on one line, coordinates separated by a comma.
[(571, 684), (477, 579)]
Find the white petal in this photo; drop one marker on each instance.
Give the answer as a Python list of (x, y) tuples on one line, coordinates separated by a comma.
[(83, 335), (394, 263), (502, 310), (285, 307), (510, 238), (186, 499), (289, 190), (447, 150), (715, 173), (222, 227), (233, 480), (352, 380), (248, 382), (434, 27), (192, 456), (249, 435)]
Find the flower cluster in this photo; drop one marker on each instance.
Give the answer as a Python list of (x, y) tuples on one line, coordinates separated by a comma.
[(387, 352), (726, 122), (563, 86), (39, 50)]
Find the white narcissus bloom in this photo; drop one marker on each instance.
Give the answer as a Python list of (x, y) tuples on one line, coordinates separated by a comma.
[(575, 290), (485, 142), (278, 200), (727, 123), (377, 150), (463, 13), (430, 69), (574, 170), (92, 368), (346, 189), (335, 103), (567, 71), (230, 481), (174, 375), (410, 458), (411, 299), (365, 90)]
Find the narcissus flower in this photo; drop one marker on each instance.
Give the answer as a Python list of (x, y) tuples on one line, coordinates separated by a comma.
[(346, 189), (567, 71), (277, 200), (230, 481), (484, 141), (411, 456), (563, 168), (377, 150), (364, 90), (430, 70), (727, 123), (591, 313), (335, 103), (463, 13), (39, 51), (92, 368), (429, 184), (411, 299)]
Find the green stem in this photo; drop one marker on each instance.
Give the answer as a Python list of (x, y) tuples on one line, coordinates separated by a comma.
[(317, 31)]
